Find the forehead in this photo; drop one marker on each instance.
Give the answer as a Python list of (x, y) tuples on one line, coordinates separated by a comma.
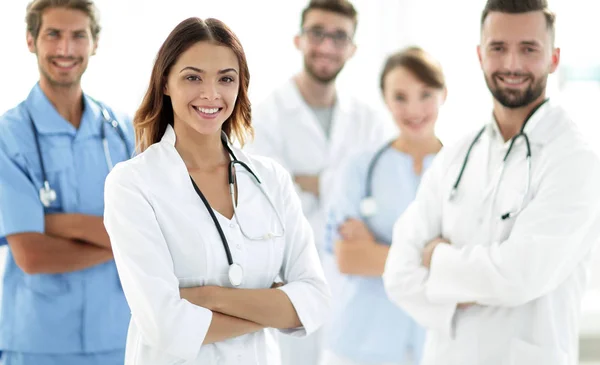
[(328, 20), (65, 19), (209, 57), (400, 78), (515, 28)]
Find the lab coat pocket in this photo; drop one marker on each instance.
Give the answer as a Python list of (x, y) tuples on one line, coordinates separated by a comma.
[(47, 284), (525, 353), (510, 199)]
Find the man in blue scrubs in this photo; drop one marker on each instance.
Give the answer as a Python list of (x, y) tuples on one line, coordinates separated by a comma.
[(62, 301)]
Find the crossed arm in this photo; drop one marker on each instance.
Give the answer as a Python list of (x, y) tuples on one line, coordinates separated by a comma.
[(70, 242), (179, 321), (358, 253), (240, 311)]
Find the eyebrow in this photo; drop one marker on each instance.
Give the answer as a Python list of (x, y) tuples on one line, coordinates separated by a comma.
[(525, 43), (531, 43), (322, 27), (50, 29), (198, 70)]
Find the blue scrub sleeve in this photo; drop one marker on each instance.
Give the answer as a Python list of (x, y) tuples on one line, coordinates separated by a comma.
[(20, 208), (345, 203)]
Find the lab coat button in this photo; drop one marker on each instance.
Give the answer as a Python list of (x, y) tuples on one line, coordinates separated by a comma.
[(232, 225), (238, 246)]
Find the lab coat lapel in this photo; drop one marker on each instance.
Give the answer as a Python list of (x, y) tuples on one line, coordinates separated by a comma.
[(489, 172), (537, 133)]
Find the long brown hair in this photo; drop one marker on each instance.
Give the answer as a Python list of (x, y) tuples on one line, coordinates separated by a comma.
[(156, 111)]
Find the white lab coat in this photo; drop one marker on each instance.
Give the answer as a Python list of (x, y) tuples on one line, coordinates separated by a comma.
[(526, 274), (164, 239), (287, 130)]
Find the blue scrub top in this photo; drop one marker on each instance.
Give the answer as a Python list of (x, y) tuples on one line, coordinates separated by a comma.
[(366, 326), (78, 312)]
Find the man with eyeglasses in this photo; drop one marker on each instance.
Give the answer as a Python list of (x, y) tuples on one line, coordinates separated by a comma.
[(310, 127)]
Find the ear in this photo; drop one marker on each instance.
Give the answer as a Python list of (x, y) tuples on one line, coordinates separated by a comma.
[(297, 42), (166, 90), (30, 42), (555, 60), (444, 95), (95, 47), (479, 55), (352, 50)]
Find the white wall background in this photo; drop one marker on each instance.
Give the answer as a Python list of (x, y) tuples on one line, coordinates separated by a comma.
[(134, 29)]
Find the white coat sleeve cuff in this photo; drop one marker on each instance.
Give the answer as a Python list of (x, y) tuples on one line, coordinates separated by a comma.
[(442, 320), (307, 310), (192, 333), (441, 287)]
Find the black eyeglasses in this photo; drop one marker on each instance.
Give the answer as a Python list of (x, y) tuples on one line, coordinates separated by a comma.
[(316, 36)]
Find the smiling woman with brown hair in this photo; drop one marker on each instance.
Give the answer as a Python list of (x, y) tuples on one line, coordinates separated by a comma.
[(201, 230)]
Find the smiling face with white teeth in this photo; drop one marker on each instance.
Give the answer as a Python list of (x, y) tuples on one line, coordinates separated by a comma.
[(63, 47), (203, 85), (517, 55)]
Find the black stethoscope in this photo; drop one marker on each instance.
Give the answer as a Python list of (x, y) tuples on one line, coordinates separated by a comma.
[(522, 134), (235, 272), (47, 193), (368, 205)]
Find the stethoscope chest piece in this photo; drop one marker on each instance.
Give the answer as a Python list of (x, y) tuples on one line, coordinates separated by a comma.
[(47, 195), (236, 274), (368, 207)]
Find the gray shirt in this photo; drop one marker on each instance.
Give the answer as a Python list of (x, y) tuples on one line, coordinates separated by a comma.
[(324, 116)]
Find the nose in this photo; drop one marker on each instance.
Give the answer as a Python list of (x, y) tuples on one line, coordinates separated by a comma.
[(64, 46), (210, 92), (327, 46), (414, 109), (512, 61)]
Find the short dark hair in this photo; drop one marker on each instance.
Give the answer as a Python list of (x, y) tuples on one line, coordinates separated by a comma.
[(341, 7), (418, 62), (519, 7), (36, 8)]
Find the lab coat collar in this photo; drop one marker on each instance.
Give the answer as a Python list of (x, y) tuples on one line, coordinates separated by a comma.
[(169, 138), (293, 100), (536, 128), (47, 120)]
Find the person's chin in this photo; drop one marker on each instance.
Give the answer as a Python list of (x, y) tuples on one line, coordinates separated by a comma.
[(207, 127)]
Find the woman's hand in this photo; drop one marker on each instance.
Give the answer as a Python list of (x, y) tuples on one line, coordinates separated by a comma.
[(355, 230)]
